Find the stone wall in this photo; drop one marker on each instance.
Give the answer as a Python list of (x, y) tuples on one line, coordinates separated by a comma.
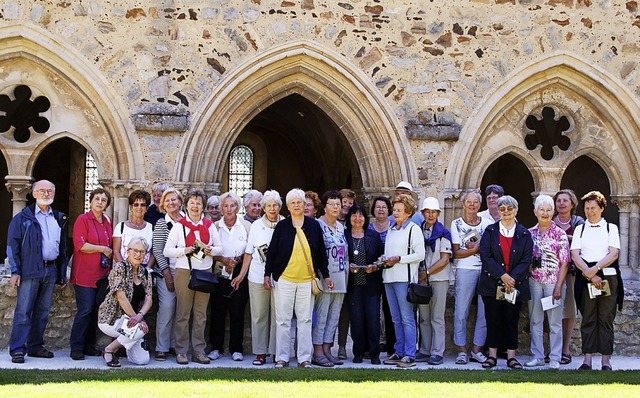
[(627, 324)]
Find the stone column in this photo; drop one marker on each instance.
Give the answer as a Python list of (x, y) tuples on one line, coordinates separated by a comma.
[(212, 188), (634, 239), (451, 206), (624, 203), (19, 186)]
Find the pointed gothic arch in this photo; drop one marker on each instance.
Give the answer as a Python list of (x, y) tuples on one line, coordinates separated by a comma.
[(94, 114), (320, 75)]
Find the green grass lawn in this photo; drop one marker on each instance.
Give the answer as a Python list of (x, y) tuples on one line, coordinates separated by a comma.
[(324, 383)]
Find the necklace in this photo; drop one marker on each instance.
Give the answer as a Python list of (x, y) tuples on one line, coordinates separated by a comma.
[(357, 242), (562, 222), (505, 231), (138, 225)]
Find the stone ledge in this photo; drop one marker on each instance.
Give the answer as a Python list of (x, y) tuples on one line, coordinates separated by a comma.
[(433, 132)]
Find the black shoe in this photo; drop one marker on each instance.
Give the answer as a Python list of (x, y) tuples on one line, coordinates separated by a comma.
[(77, 355), (375, 361), (357, 359), (92, 352), (43, 353)]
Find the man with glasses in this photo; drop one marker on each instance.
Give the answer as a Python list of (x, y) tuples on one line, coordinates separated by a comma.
[(37, 254), (466, 232)]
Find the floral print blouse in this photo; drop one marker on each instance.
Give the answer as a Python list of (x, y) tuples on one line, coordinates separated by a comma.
[(552, 247), (121, 278)]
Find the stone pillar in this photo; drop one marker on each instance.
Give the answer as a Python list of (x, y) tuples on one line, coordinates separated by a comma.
[(451, 206), (19, 186), (212, 188), (634, 239), (624, 203)]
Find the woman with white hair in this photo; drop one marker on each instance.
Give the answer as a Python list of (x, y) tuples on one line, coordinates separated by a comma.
[(546, 281), (252, 205), (227, 298), (261, 303), (296, 255), (213, 208)]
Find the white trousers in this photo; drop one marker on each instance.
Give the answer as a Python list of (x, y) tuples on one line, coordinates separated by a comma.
[(290, 297), (135, 353)]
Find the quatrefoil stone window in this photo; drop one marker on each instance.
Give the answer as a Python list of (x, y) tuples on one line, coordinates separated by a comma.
[(22, 113), (547, 132)]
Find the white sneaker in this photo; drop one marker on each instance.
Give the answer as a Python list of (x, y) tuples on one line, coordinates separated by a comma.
[(534, 362), (478, 357), (554, 364), (236, 356), (215, 354)]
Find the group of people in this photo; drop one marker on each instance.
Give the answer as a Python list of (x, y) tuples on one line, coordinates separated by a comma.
[(331, 265)]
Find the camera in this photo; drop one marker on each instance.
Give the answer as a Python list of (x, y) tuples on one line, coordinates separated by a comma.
[(104, 261), (536, 262)]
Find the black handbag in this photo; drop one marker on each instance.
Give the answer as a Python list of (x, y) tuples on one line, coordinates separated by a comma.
[(419, 294), (201, 280), (416, 293)]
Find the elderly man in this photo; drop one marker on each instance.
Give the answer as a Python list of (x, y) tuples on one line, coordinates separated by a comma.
[(466, 232), (37, 254), (252, 207), (492, 193)]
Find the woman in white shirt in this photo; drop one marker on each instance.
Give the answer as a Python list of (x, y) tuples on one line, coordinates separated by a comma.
[(181, 245), (594, 251), (261, 303), (403, 251), (124, 231)]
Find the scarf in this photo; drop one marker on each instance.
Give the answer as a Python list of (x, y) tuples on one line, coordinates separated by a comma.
[(437, 231), (203, 229)]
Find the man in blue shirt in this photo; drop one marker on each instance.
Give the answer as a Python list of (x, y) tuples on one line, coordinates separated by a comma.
[(37, 254)]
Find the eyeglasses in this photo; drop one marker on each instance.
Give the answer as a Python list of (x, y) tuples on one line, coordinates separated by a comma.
[(138, 252), (504, 209), (472, 202), (139, 205)]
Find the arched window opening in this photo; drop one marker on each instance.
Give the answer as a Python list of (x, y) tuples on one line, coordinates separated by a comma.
[(90, 178), (241, 171)]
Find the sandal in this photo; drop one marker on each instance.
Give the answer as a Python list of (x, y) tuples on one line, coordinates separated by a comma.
[(462, 358), (491, 362), (18, 357), (260, 359), (336, 361), (513, 363), (114, 362), (565, 359), (281, 364), (322, 361)]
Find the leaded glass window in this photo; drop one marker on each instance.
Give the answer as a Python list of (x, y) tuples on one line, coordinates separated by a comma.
[(90, 178), (241, 170)]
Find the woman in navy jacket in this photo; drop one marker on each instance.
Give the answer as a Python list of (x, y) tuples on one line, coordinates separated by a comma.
[(365, 284), (506, 249)]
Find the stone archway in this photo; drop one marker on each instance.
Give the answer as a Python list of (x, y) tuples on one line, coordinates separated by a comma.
[(603, 115), (323, 78), (83, 108)]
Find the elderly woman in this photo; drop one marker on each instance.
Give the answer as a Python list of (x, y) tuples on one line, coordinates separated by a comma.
[(328, 305), (153, 213), (213, 208), (365, 284), (295, 256), (546, 281), (228, 298), (437, 272), (594, 250), (492, 193), (505, 250), (129, 294), (252, 208), (466, 232), (565, 218), (190, 233), (171, 206), (403, 251), (311, 204), (381, 210), (124, 231), (92, 253), (263, 322)]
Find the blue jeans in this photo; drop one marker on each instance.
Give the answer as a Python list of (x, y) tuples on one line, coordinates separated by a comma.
[(466, 284), (32, 313), (364, 308), (404, 321), (85, 323)]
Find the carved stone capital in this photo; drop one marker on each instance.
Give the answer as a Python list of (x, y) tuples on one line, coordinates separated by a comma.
[(625, 202), (18, 186)]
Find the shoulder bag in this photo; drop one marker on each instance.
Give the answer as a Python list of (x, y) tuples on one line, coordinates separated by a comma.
[(416, 293), (201, 280), (316, 285)]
